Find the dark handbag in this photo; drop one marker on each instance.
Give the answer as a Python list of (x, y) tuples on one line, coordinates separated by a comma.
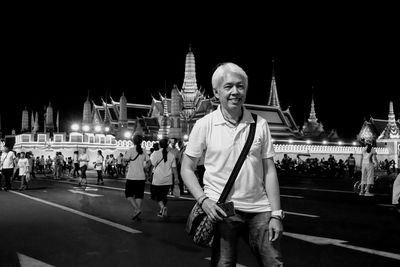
[(198, 225)]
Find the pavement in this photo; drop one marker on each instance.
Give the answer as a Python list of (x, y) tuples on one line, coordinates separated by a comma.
[(56, 223)]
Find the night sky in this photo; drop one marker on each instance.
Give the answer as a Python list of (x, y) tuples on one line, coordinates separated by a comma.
[(350, 64)]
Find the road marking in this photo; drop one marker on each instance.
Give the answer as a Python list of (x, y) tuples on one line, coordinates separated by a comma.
[(302, 214), (86, 188), (237, 265), (80, 213), (316, 189), (386, 205), (341, 243), (290, 196), (84, 193), (26, 261)]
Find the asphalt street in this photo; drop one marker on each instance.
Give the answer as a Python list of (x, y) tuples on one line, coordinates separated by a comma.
[(55, 223)]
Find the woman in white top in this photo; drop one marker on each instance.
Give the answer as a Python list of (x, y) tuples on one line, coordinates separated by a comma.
[(368, 162), (99, 167), (24, 171), (165, 173), (137, 160)]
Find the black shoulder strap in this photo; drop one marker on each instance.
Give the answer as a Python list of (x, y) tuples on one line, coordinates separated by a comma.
[(240, 161)]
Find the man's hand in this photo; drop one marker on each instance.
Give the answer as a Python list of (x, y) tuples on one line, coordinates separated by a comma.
[(212, 210), (275, 229)]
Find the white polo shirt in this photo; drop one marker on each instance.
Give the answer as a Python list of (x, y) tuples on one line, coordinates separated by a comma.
[(222, 145)]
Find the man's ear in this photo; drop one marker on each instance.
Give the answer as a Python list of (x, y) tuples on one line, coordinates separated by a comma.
[(215, 90)]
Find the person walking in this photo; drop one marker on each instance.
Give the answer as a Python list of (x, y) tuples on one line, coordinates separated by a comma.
[(23, 170), (351, 165), (165, 174), (75, 161), (99, 167), (83, 165), (368, 163), (7, 167), (221, 135), (137, 160)]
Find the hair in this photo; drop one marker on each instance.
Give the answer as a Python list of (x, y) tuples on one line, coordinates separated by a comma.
[(137, 141), (99, 151), (164, 145), (369, 147), (222, 69), (156, 146)]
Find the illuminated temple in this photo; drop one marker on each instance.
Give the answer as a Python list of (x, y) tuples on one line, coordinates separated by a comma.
[(175, 116), (105, 125)]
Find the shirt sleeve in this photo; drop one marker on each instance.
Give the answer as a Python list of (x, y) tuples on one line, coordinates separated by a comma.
[(197, 139), (267, 147)]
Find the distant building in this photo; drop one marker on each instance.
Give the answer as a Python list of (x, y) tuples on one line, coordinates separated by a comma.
[(374, 129), (314, 129)]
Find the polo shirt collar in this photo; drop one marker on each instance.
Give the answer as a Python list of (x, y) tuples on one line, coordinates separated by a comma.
[(219, 118)]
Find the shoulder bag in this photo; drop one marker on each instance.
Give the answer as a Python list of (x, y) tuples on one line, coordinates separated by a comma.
[(198, 225)]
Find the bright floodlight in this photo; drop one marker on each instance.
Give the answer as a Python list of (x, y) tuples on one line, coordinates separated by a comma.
[(97, 128), (340, 143), (107, 129), (85, 128), (185, 137), (354, 143), (308, 142), (127, 134), (75, 127), (290, 141), (324, 142)]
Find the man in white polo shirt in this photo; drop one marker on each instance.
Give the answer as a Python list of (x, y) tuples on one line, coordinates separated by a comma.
[(7, 167), (221, 135)]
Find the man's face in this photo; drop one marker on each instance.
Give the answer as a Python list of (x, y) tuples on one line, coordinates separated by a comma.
[(231, 92)]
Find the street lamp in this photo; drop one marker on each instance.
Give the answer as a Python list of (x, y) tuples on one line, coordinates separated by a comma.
[(97, 128), (75, 127), (127, 134), (107, 129), (85, 128)]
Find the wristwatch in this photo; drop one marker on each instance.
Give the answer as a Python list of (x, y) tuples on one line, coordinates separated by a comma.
[(278, 214)]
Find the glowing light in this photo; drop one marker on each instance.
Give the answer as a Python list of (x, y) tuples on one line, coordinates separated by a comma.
[(354, 143), (308, 142), (127, 134), (97, 128), (85, 128), (290, 141), (75, 127), (107, 129), (159, 136), (324, 142), (340, 143)]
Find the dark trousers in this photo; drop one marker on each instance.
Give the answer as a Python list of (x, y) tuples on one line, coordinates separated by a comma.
[(7, 173), (76, 169), (351, 170), (99, 176), (83, 171)]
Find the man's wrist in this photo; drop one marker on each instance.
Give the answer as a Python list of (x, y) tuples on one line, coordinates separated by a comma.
[(278, 214)]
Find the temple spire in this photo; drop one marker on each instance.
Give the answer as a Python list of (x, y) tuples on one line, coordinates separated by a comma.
[(313, 114), (391, 131), (273, 93)]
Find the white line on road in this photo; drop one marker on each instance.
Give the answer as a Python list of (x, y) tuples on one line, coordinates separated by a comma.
[(80, 213), (301, 214), (341, 243), (290, 196), (316, 189), (237, 265), (26, 261), (84, 193)]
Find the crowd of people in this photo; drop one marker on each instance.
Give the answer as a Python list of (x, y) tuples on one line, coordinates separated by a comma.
[(330, 167)]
